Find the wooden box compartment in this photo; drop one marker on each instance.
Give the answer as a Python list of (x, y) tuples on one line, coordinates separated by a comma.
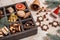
[(25, 31)]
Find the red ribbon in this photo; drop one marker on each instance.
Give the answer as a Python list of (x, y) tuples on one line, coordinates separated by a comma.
[(56, 11)]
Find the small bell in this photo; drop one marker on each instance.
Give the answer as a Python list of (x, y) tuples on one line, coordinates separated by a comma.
[(35, 5), (36, 2)]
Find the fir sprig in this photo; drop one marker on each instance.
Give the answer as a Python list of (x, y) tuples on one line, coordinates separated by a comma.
[(53, 37), (3, 22), (58, 31), (52, 3)]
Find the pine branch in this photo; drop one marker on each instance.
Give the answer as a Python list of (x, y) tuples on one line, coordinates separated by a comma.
[(52, 0), (53, 37), (52, 4), (4, 21)]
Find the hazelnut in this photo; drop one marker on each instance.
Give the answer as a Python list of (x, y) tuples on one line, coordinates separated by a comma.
[(27, 15), (44, 16), (47, 19), (50, 23), (46, 13)]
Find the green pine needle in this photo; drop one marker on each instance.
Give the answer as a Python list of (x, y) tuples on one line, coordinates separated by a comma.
[(1, 26), (58, 31), (52, 4)]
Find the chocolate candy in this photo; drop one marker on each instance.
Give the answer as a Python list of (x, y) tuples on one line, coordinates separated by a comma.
[(13, 18), (1, 12), (1, 34), (10, 9), (5, 30), (44, 16), (27, 15), (15, 28), (1, 16), (21, 13), (28, 25), (20, 7), (12, 29)]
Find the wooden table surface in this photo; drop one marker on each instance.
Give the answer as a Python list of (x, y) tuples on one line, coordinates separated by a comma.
[(40, 34)]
